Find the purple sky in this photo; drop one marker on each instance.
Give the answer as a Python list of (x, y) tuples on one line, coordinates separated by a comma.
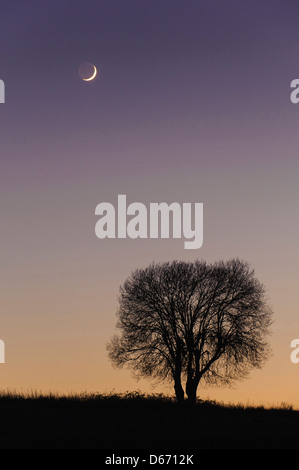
[(192, 104)]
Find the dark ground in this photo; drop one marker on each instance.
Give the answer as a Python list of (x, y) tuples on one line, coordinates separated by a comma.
[(137, 422)]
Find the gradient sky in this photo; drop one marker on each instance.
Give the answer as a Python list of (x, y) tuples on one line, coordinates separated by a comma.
[(192, 104)]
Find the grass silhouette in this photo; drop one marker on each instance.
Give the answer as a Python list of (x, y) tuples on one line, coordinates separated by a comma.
[(137, 421)]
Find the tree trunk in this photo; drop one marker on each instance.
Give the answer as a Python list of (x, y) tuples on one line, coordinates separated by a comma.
[(179, 391), (191, 390)]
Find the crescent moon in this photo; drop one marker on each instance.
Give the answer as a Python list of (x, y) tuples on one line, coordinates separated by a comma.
[(93, 76)]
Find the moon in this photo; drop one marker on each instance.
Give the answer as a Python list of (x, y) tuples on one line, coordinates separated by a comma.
[(88, 72), (93, 75)]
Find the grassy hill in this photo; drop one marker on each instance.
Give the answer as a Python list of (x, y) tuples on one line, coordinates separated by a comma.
[(135, 421)]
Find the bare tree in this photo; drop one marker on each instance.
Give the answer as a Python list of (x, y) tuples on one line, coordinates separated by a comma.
[(193, 322)]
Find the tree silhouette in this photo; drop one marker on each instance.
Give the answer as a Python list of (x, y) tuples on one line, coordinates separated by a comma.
[(193, 322)]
